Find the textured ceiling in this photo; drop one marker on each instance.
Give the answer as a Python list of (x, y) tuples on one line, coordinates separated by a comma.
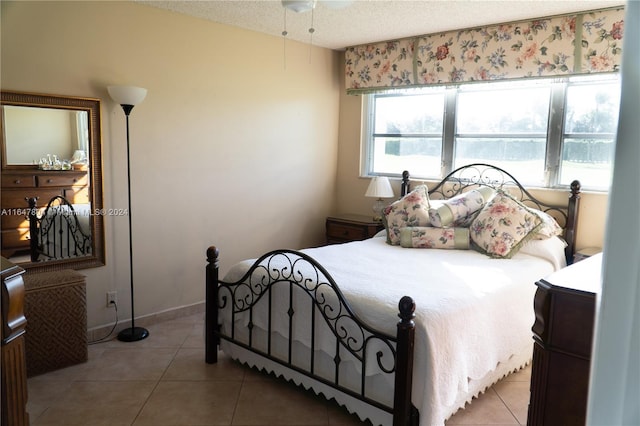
[(365, 21)]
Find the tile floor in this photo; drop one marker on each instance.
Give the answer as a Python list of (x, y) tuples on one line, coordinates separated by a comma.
[(163, 380)]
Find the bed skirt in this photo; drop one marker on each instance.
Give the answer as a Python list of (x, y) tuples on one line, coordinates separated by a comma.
[(361, 409)]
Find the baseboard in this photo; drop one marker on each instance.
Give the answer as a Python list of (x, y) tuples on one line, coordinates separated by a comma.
[(100, 332)]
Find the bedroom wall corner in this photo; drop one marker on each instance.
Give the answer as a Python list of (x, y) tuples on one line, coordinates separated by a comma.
[(351, 187)]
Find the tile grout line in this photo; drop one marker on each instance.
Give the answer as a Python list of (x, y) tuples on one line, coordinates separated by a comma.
[(157, 382), (235, 407), (507, 407)]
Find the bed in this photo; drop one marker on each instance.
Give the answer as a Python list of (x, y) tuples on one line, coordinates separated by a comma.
[(60, 231), (327, 318)]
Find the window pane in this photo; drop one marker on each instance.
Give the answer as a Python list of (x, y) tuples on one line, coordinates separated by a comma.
[(506, 123), (592, 108), (503, 111), (588, 160), (421, 156), (522, 157), (409, 114)]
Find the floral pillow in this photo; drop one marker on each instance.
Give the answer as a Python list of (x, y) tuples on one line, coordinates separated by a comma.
[(438, 238), (466, 222), (503, 226), (455, 211), (410, 210)]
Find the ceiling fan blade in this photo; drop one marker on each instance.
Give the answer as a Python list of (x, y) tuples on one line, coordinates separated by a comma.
[(299, 6), (336, 4)]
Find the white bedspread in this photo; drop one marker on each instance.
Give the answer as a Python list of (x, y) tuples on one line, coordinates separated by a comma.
[(473, 312)]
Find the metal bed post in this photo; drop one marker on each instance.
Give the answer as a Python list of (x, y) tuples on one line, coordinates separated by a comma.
[(572, 222), (34, 234), (404, 414), (211, 307)]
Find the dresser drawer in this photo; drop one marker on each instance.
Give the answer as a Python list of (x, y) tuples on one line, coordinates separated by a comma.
[(15, 238), (350, 227), (66, 180), (18, 181), (15, 218), (18, 199), (79, 196), (346, 231), (575, 309)]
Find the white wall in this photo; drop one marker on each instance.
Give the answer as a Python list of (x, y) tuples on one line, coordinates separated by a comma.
[(228, 148), (56, 131)]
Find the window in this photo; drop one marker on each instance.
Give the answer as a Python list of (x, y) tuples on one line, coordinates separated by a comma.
[(546, 133), (505, 125), (588, 139), (407, 133)]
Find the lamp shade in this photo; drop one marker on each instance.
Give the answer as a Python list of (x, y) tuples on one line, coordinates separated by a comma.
[(127, 95), (379, 187)]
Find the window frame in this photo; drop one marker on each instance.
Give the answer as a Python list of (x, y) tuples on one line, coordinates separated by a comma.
[(555, 133), (368, 132)]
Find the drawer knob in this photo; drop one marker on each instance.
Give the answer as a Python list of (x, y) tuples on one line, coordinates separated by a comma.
[(17, 181), (49, 180)]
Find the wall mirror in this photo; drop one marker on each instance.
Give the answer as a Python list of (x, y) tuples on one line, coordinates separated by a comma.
[(51, 147)]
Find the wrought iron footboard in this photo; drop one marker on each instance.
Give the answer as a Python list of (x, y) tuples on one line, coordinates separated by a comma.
[(276, 286), (57, 233)]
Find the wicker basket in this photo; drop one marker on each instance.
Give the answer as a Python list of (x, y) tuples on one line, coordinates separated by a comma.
[(56, 312)]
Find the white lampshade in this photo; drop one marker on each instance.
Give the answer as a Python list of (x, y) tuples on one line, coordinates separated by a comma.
[(379, 187), (127, 95)]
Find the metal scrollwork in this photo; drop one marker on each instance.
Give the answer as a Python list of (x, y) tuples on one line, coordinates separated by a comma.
[(388, 352), (292, 269), (474, 175), (59, 234)]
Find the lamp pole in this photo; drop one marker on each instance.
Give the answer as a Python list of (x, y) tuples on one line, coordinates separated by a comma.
[(128, 97), (132, 334)]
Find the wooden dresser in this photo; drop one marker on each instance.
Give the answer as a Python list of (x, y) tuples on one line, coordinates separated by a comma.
[(564, 308), (351, 227), (20, 185), (13, 387)]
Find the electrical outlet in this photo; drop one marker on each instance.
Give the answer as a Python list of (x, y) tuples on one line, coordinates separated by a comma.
[(112, 299)]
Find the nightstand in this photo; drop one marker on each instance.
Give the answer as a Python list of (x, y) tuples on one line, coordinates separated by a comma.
[(342, 228), (585, 253)]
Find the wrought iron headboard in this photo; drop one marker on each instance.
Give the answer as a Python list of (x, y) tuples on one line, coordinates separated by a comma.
[(57, 233), (474, 175)]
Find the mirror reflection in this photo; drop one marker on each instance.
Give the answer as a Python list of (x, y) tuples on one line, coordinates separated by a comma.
[(61, 135), (51, 181)]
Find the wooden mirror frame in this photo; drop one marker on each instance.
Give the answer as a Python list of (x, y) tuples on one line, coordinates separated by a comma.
[(92, 107)]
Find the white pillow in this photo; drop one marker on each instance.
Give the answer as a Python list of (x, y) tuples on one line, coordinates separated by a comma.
[(551, 249)]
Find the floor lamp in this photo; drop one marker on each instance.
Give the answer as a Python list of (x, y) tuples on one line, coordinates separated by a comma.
[(128, 97)]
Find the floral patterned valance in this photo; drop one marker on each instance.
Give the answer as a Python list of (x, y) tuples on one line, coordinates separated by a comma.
[(537, 48)]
